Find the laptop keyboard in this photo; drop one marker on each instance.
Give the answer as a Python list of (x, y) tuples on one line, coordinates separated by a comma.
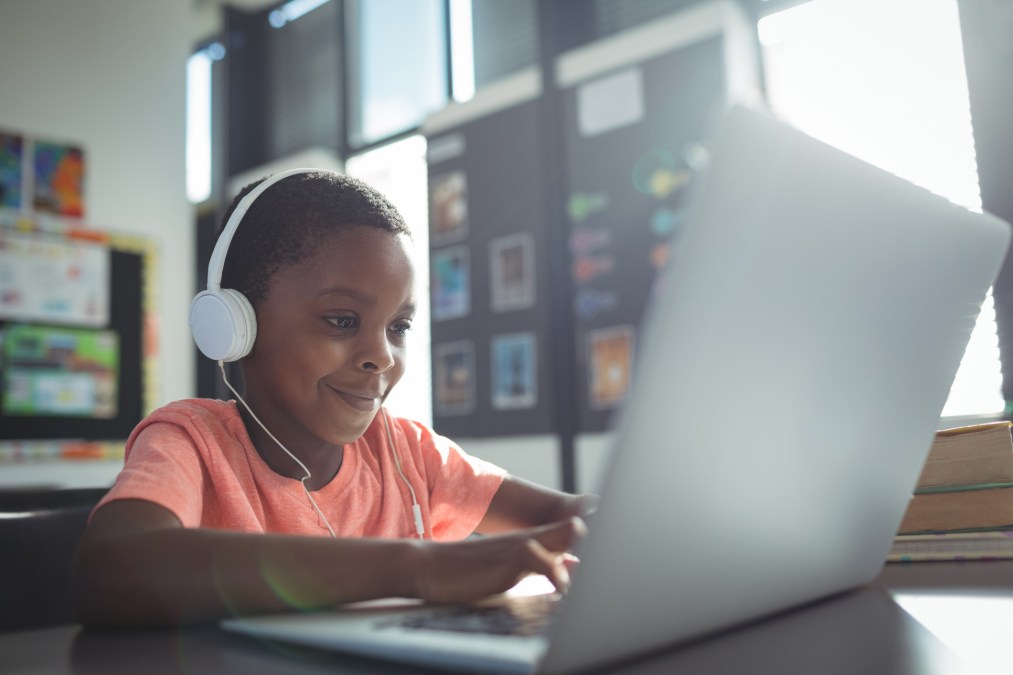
[(518, 616)]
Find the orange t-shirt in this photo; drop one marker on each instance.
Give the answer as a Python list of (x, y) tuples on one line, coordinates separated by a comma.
[(195, 458)]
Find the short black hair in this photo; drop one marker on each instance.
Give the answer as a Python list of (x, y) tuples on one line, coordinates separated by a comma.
[(287, 222)]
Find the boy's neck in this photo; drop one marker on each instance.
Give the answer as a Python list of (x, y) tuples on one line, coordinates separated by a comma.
[(323, 462)]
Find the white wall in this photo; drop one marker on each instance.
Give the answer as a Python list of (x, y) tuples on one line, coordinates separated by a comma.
[(535, 458), (109, 75)]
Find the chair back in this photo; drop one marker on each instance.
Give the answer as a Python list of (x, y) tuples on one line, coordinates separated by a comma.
[(39, 533)]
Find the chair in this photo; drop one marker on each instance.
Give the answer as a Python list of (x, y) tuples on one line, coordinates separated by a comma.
[(39, 532)]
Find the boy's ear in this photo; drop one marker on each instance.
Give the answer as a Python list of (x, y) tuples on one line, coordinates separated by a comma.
[(223, 324)]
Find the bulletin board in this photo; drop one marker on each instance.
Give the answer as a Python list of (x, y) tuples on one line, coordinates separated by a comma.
[(78, 355), (491, 315), (633, 115), (634, 141), (73, 366)]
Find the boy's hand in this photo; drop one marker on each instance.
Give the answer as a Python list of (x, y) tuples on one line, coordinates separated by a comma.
[(475, 568)]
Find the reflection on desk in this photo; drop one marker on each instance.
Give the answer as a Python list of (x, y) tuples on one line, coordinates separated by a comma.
[(977, 628), (859, 632), (967, 605)]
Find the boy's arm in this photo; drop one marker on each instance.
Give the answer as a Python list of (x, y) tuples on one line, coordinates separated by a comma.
[(519, 503), (137, 565)]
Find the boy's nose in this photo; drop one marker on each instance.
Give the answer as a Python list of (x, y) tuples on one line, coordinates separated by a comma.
[(377, 355)]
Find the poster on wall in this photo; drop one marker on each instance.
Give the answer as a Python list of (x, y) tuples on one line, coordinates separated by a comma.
[(512, 270), (12, 150), (448, 208), (610, 365), (514, 371), (451, 296), (53, 280), (59, 372), (454, 378), (58, 179)]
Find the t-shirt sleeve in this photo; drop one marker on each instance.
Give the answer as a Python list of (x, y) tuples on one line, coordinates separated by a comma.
[(461, 486), (163, 467)]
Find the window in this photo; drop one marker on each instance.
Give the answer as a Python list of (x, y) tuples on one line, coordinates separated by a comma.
[(198, 121), (505, 38), (462, 50), (398, 66), (885, 81), (398, 171), (302, 77)]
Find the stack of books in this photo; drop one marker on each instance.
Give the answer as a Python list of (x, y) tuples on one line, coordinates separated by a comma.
[(962, 508)]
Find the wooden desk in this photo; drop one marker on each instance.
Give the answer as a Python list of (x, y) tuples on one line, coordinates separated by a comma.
[(863, 631)]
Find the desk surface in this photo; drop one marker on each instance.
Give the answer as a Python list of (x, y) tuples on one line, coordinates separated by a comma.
[(864, 631)]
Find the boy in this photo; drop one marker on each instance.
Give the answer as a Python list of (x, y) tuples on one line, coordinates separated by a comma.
[(307, 492)]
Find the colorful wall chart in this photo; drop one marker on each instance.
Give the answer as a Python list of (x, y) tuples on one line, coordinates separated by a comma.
[(53, 280), (58, 372)]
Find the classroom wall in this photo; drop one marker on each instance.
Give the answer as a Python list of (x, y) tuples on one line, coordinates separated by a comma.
[(110, 75)]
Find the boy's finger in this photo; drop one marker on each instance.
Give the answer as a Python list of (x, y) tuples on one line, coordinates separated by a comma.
[(569, 561), (561, 536), (549, 564)]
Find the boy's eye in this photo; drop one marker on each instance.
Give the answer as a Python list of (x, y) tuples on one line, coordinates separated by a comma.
[(402, 327), (345, 322)]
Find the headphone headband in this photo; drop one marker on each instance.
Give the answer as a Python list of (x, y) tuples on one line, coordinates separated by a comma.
[(217, 262), (222, 320)]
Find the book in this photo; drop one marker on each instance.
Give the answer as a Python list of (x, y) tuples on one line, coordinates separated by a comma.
[(947, 546), (970, 455), (964, 507)]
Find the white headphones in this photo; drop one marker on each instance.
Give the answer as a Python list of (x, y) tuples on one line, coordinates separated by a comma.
[(222, 320)]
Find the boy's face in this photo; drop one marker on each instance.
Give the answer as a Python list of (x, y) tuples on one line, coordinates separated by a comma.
[(331, 335)]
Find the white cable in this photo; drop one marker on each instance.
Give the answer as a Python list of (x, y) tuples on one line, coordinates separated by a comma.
[(420, 528), (303, 480)]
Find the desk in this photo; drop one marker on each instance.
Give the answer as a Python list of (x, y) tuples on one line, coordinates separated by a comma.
[(968, 606), (863, 631)]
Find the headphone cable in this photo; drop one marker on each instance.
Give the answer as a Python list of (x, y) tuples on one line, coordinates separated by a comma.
[(420, 529), (308, 475)]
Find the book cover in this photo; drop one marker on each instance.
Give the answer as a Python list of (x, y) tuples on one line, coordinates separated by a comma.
[(959, 508), (982, 453)]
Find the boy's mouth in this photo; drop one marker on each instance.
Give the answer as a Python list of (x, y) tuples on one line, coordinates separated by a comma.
[(360, 402)]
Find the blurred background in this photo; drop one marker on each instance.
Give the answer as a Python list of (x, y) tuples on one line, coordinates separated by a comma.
[(539, 149)]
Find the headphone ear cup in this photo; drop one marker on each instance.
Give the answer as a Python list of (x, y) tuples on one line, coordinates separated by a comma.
[(223, 324)]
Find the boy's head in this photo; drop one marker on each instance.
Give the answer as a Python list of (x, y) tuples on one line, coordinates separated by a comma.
[(325, 261), (289, 221)]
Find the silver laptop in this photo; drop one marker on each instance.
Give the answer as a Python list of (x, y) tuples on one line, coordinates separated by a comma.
[(791, 375)]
